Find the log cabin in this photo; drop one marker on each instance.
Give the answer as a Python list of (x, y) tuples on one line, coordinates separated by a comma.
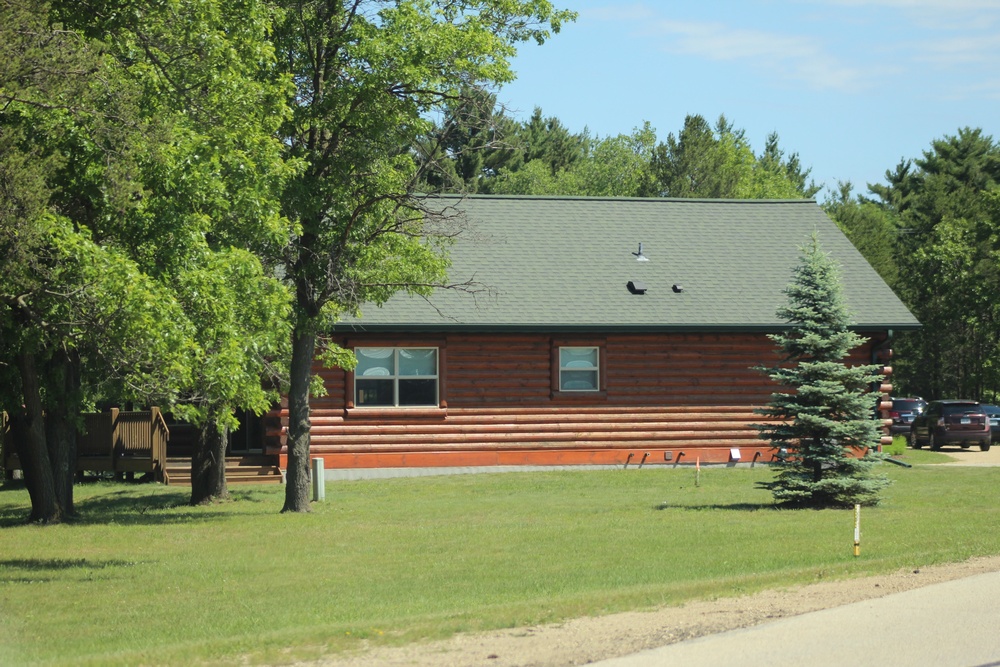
[(589, 331)]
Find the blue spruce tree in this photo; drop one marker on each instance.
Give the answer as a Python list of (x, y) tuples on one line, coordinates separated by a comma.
[(823, 425)]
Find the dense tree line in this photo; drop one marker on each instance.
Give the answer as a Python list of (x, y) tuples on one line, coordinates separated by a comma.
[(932, 230), (478, 148)]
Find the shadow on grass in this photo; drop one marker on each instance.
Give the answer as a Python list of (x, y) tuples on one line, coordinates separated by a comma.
[(37, 564), (43, 570), (124, 507), (252, 495), (127, 507), (736, 507)]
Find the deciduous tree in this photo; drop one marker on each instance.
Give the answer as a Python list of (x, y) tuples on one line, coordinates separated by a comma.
[(368, 75), (50, 106), (153, 176), (210, 225)]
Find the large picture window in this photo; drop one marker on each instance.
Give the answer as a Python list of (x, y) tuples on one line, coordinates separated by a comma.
[(396, 376), (579, 369)]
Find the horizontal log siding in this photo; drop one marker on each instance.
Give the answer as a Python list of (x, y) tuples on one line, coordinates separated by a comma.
[(669, 398), (498, 370), (688, 369)]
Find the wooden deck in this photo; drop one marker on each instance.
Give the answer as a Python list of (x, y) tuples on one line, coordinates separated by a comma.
[(118, 441)]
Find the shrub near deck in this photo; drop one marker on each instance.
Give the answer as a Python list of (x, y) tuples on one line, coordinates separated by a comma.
[(142, 577)]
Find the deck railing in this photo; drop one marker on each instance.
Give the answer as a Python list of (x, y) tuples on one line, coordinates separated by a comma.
[(113, 441)]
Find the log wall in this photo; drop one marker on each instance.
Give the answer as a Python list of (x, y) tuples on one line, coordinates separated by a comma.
[(664, 399)]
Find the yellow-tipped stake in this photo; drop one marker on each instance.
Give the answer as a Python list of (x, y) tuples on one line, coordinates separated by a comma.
[(697, 471), (857, 530)]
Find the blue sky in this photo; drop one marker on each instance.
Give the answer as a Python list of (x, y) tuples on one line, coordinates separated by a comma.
[(851, 86)]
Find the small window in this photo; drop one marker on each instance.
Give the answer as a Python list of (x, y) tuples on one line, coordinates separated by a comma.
[(396, 376), (579, 368)]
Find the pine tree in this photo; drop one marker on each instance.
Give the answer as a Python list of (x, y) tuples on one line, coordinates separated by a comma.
[(824, 428)]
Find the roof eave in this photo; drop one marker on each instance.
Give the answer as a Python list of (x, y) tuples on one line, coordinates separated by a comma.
[(356, 328)]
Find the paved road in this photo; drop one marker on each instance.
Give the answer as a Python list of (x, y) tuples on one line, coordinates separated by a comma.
[(951, 624)]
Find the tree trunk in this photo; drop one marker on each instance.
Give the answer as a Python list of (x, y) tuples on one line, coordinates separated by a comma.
[(32, 450), (208, 464), (60, 436), (61, 429), (297, 475)]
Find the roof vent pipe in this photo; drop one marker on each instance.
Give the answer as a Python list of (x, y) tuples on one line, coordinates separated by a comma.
[(639, 257), (636, 287)]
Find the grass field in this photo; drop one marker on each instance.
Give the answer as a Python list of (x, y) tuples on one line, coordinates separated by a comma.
[(142, 578)]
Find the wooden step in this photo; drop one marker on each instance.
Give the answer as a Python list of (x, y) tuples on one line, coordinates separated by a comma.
[(258, 469)]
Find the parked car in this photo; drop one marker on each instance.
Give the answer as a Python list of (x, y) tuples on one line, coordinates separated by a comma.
[(951, 423), (993, 412), (903, 412)]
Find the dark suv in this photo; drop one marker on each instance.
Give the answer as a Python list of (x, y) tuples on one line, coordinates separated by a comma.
[(903, 412), (951, 423)]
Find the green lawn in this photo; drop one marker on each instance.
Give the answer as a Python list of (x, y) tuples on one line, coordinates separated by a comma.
[(142, 578)]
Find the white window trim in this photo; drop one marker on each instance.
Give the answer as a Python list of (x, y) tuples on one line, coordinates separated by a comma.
[(396, 377), (596, 370)]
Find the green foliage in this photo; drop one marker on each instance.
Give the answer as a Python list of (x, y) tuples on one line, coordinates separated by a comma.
[(700, 162), (871, 228), (213, 187), (129, 327), (152, 156), (472, 143), (549, 141), (352, 202), (947, 254), (897, 448), (239, 339), (611, 167), (786, 170), (63, 286), (823, 426), (534, 178), (703, 162), (619, 166), (542, 157)]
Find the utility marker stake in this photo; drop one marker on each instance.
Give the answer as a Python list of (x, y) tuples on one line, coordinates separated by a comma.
[(857, 530), (318, 480), (697, 471)]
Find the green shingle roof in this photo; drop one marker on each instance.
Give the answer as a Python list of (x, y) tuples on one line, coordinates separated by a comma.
[(563, 264)]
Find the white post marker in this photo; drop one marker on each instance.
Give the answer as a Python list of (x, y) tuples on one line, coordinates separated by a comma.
[(318, 480), (857, 530)]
